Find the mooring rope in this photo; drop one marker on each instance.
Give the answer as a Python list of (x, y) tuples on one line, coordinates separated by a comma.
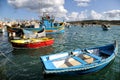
[(6, 57)]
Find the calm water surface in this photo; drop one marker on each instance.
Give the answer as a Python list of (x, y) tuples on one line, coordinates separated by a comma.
[(24, 64)]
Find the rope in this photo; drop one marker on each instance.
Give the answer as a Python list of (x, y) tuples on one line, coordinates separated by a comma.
[(7, 58)]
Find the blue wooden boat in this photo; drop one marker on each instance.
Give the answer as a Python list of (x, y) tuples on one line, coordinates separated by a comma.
[(51, 27), (79, 61)]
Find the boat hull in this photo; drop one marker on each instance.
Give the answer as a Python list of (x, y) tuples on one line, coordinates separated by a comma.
[(48, 30), (77, 72), (54, 31), (33, 45), (81, 72), (106, 29)]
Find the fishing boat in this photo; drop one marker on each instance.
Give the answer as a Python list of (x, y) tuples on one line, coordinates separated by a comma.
[(18, 33), (32, 42), (79, 61), (14, 32), (51, 26), (105, 27)]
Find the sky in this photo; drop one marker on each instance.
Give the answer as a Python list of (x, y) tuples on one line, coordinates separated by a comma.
[(69, 10)]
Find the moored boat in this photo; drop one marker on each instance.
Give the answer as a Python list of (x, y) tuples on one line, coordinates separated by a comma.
[(32, 42), (79, 61), (105, 27), (50, 25), (19, 33)]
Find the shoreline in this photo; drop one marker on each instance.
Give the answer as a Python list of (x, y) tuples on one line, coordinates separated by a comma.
[(95, 22)]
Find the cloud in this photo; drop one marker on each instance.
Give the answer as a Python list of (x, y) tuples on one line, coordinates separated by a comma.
[(82, 3), (75, 16), (83, 15), (93, 15), (113, 14), (56, 8), (40, 6)]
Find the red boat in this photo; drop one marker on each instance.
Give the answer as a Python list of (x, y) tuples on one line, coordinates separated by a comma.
[(32, 43)]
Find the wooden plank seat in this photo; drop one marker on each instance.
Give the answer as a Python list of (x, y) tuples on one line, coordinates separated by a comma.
[(66, 63), (80, 59), (94, 56), (85, 58)]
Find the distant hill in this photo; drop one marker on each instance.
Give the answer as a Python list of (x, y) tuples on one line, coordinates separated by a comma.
[(99, 22)]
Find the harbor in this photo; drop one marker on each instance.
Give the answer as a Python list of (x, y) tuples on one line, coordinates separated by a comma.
[(59, 40), (25, 63)]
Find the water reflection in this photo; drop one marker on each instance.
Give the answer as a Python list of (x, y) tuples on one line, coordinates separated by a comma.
[(3, 73), (34, 52)]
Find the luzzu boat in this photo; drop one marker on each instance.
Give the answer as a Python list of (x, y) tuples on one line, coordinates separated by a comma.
[(79, 61), (32, 43), (50, 25)]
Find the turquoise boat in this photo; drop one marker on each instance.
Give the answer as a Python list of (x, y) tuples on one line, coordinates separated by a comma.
[(51, 27), (79, 61)]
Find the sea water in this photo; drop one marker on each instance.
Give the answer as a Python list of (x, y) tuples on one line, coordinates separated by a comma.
[(24, 64)]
